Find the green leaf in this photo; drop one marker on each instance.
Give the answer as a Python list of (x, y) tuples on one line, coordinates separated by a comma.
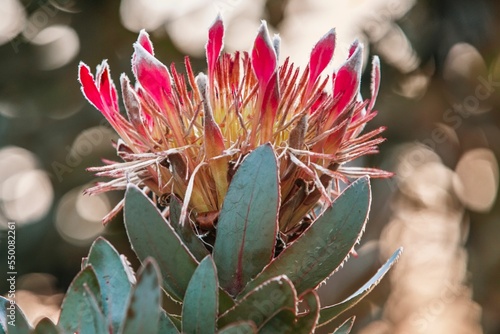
[(322, 248), (281, 323), (248, 222), (12, 319), (166, 325), (144, 307), (199, 310), (46, 326), (113, 280), (329, 313), (77, 314), (185, 231), (98, 323), (306, 322), (346, 327), (242, 327), (286, 322), (263, 303), (151, 235)]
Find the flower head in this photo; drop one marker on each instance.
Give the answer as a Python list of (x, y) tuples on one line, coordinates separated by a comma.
[(186, 135)]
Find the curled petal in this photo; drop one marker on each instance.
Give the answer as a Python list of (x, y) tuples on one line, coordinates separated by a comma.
[(348, 77), (146, 43), (375, 84), (263, 57), (214, 44), (152, 75), (321, 55), (89, 88)]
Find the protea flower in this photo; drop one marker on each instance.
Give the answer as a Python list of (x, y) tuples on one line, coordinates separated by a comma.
[(186, 135)]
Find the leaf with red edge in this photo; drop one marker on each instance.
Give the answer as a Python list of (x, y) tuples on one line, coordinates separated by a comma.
[(146, 43), (152, 75), (348, 77), (248, 222), (89, 88), (321, 55), (326, 244), (214, 44), (263, 57)]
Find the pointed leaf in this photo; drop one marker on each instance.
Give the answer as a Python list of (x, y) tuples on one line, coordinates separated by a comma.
[(12, 319), (329, 313), (113, 280), (322, 248), (348, 77), (346, 327), (247, 227), (185, 231), (262, 303), (166, 325), (89, 88), (77, 313), (151, 235), (243, 327), (145, 41), (306, 323), (46, 326), (199, 309), (144, 307)]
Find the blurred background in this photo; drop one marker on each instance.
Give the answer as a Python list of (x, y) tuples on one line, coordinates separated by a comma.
[(440, 99)]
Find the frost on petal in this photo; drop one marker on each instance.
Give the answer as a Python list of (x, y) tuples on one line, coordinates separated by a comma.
[(214, 44), (152, 75), (144, 40), (321, 55), (375, 84), (132, 104), (107, 88), (263, 57), (89, 88), (347, 79)]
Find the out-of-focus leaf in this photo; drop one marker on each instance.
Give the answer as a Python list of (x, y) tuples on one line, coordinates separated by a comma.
[(323, 247), (247, 227), (113, 280), (151, 235), (262, 303), (185, 231), (346, 327), (329, 313), (46, 326), (166, 325), (199, 309), (12, 319), (77, 314), (144, 308), (243, 327)]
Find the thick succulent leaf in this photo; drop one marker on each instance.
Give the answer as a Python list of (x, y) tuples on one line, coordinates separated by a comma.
[(96, 323), (282, 322), (307, 322), (199, 309), (286, 322), (346, 327), (46, 326), (185, 231), (77, 312), (12, 321), (329, 313), (247, 227), (144, 307), (166, 325), (113, 280), (262, 303), (243, 327), (323, 247), (151, 235)]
